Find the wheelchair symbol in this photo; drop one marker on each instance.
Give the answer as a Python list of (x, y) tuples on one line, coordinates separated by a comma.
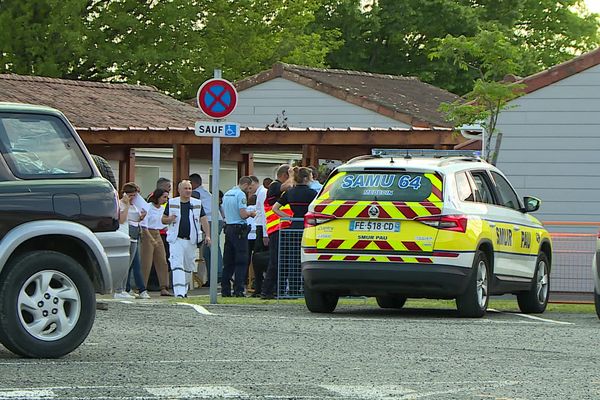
[(230, 130)]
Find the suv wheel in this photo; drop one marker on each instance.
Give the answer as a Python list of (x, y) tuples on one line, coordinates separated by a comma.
[(474, 301), (47, 305), (105, 169), (319, 302), (391, 301), (536, 299)]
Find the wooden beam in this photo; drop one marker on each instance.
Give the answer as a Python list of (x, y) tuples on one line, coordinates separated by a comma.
[(420, 138), (127, 168), (310, 155), (248, 164), (181, 165)]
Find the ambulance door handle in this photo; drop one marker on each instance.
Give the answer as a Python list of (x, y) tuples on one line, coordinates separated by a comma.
[(492, 224), (516, 228)]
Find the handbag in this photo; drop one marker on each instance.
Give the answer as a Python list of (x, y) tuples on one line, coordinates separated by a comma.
[(134, 232)]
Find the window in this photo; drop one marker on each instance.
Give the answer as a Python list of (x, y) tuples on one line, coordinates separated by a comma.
[(508, 197), (465, 192), (41, 146), (483, 193), (383, 186)]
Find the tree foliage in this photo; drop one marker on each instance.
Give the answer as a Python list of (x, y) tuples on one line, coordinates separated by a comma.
[(173, 45), (397, 37)]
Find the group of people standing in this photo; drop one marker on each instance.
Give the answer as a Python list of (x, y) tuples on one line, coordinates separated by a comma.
[(162, 229)]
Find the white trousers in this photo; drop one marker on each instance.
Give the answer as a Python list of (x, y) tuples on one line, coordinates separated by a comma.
[(183, 263)]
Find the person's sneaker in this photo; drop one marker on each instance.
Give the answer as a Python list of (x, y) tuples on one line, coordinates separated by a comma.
[(123, 295), (225, 294), (267, 296), (133, 294), (145, 295), (239, 295)]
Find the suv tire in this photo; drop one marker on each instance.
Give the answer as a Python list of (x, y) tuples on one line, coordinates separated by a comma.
[(391, 301), (474, 301), (319, 302), (597, 303), (49, 289), (535, 300), (105, 169)]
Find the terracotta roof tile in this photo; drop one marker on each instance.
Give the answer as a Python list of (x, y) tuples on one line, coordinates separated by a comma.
[(406, 99), (561, 71), (100, 105)]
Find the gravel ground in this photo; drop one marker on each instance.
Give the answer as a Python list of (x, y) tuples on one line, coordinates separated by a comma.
[(154, 349)]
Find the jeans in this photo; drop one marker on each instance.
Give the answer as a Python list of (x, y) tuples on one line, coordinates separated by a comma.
[(136, 268)]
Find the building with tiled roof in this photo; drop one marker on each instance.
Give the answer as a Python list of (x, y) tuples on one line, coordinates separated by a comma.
[(123, 121), (315, 97), (551, 149), (98, 105)]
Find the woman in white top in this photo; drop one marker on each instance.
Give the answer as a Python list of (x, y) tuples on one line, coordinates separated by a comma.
[(153, 248), (134, 216)]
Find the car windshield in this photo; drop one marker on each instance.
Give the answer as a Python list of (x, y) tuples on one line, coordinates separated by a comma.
[(39, 146), (382, 186)]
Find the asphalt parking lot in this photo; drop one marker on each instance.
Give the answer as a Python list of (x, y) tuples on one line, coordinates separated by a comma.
[(158, 349)]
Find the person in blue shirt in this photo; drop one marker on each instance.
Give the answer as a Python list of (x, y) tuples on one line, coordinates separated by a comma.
[(235, 252)]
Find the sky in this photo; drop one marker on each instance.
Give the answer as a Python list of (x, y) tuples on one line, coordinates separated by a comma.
[(593, 5)]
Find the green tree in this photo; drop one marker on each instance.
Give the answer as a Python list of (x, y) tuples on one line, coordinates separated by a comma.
[(396, 37), (490, 55), (173, 45), (42, 37)]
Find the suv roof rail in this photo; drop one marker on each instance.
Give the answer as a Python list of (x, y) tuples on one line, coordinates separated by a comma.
[(363, 157), (410, 153)]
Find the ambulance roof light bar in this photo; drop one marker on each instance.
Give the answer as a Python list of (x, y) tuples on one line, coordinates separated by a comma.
[(433, 153)]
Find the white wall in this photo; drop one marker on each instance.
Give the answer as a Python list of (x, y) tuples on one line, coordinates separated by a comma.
[(304, 107)]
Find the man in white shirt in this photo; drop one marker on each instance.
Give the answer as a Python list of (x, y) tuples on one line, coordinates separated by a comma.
[(199, 192)]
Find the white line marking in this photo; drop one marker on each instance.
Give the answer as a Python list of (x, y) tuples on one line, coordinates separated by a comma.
[(198, 308), (544, 319), (203, 392), (532, 317), (26, 394)]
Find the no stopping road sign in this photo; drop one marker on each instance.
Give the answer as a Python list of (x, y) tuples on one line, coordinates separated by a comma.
[(217, 98)]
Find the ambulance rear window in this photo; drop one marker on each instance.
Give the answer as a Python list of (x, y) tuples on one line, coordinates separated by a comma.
[(376, 186)]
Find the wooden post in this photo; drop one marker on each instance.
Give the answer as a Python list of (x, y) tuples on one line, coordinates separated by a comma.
[(127, 168), (181, 165), (310, 155), (247, 164)]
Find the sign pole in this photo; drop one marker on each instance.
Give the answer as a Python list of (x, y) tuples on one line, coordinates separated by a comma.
[(214, 226)]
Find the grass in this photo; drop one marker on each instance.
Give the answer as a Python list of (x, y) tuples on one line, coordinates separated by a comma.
[(508, 305)]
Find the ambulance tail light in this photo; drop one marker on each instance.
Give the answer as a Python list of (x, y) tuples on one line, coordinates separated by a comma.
[(314, 219), (456, 223)]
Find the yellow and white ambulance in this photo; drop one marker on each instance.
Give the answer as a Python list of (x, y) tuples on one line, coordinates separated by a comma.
[(396, 225)]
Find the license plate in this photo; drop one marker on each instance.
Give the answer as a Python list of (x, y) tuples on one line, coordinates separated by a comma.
[(374, 226)]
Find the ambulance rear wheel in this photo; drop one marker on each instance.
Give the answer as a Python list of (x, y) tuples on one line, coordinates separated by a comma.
[(319, 302), (474, 301), (391, 301), (597, 302)]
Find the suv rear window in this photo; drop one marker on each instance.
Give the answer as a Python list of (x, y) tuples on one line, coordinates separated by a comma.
[(382, 186), (40, 146)]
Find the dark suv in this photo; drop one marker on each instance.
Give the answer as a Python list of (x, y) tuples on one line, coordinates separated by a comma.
[(59, 242)]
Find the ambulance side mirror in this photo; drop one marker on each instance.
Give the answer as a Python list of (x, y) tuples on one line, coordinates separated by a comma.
[(531, 203)]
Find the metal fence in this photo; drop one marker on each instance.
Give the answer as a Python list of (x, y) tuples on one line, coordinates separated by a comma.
[(573, 247), (290, 284)]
